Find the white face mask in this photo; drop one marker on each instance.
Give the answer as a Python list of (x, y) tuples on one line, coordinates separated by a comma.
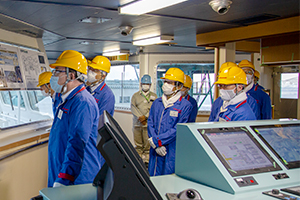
[(145, 88), (45, 94), (227, 95), (167, 88), (91, 76), (249, 78)]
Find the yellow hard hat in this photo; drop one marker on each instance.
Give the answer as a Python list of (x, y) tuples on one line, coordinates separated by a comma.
[(256, 74), (101, 63), (174, 74), (187, 81), (232, 75), (246, 63), (227, 64), (73, 60), (44, 78)]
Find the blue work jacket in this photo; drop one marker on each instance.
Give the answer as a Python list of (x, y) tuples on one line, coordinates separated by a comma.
[(72, 154), (238, 112), (162, 128), (260, 87), (104, 98), (194, 111), (215, 109), (263, 100)]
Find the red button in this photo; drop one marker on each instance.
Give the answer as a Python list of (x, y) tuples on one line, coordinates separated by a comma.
[(251, 181)]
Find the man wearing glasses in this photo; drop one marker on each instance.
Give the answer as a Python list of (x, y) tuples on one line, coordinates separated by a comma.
[(231, 83), (72, 154)]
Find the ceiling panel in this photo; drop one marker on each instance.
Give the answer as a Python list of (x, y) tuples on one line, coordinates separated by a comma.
[(57, 22)]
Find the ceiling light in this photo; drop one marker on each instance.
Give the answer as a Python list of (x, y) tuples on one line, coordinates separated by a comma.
[(153, 40), (94, 20), (115, 52), (146, 6), (87, 43)]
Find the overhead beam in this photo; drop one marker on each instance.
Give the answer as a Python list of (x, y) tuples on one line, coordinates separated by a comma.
[(261, 30), (248, 46)]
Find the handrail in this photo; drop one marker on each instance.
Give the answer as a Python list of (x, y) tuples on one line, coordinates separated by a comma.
[(23, 149)]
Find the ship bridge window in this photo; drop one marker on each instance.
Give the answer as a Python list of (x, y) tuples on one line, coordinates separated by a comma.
[(123, 80), (33, 107), (203, 78)]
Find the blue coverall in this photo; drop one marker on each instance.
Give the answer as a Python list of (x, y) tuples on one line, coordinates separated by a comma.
[(72, 154), (162, 128), (194, 112), (259, 86), (215, 109), (238, 112), (263, 100), (104, 98)]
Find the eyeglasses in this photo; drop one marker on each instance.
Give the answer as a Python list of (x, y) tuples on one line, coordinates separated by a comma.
[(248, 71), (222, 86), (56, 72)]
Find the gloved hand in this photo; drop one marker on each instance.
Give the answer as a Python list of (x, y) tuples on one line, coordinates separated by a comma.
[(152, 143), (162, 151), (57, 184)]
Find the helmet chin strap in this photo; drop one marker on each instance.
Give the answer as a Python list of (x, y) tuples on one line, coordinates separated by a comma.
[(64, 88)]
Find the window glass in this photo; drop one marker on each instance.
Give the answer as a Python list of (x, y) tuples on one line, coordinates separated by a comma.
[(202, 75), (33, 107), (289, 86), (124, 82)]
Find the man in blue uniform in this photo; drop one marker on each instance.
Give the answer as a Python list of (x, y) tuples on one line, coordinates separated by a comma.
[(263, 100), (184, 91), (164, 115), (72, 154), (98, 69), (231, 82), (44, 84), (219, 102), (256, 79)]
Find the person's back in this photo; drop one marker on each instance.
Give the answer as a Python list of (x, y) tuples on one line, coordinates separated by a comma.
[(263, 101)]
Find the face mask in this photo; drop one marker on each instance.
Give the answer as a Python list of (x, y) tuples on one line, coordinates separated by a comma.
[(91, 76), (145, 88), (168, 88), (54, 84), (46, 94), (227, 95), (249, 78)]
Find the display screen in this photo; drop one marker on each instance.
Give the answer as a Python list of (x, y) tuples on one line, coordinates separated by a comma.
[(284, 141), (123, 175), (239, 152)]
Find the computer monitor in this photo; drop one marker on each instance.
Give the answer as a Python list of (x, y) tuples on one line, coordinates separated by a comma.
[(283, 140), (238, 151), (124, 175)]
